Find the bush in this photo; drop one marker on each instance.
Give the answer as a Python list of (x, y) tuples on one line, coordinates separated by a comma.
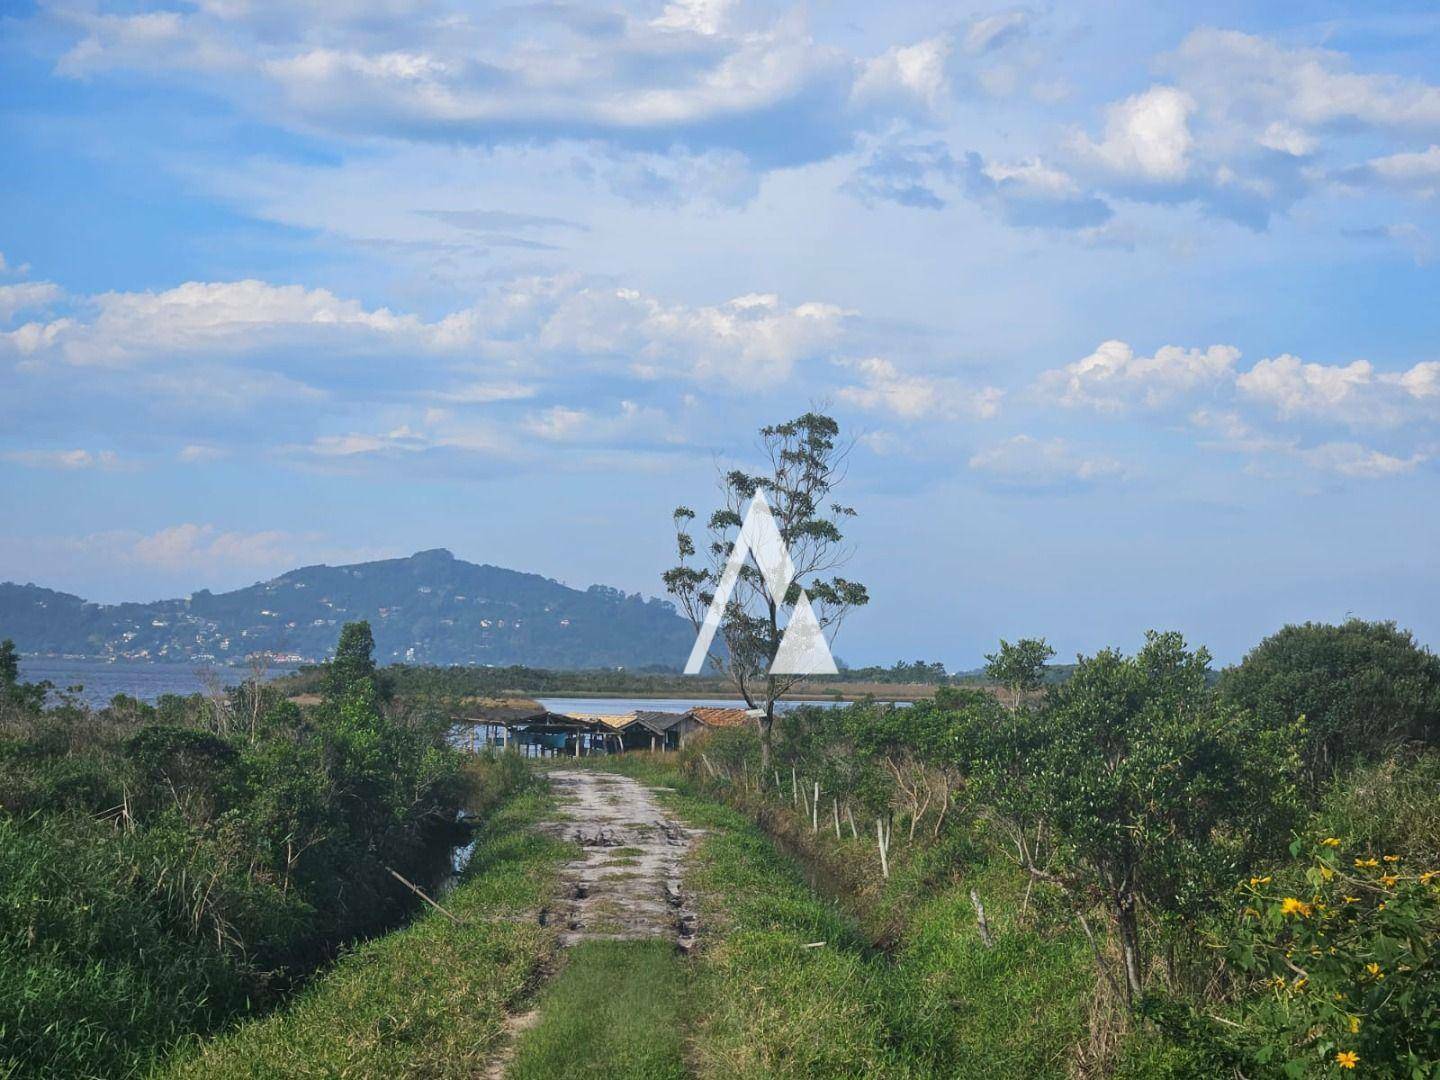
[(1363, 689)]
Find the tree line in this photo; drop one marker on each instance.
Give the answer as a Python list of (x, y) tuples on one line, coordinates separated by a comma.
[(1254, 855)]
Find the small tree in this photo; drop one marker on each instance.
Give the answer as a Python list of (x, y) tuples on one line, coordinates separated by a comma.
[(1019, 668), (804, 464), (1159, 792)]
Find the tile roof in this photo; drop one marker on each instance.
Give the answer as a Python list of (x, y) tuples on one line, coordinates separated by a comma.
[(717, 717)]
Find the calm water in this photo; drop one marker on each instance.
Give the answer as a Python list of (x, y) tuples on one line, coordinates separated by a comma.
[(615, 706), (102, 681)]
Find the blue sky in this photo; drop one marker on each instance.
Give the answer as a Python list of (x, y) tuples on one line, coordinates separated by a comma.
[(1131, 308)]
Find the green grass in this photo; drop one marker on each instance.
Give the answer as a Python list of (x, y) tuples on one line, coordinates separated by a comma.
[(617, 1009), (939, 1004), (429, 1000)]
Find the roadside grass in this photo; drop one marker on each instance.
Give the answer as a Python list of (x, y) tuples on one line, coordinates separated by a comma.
[(428, 1000), (617, 1009), (770, 1002)]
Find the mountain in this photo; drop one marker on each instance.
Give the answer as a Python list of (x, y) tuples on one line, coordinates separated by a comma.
[(431, 608)]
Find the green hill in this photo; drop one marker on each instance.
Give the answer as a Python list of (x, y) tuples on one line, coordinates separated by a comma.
[(429, 608)]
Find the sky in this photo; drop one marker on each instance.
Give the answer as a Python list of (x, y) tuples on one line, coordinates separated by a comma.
[(1129, 309)]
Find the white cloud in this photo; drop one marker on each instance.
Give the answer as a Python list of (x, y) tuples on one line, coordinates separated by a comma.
[(1113, 378), (25, 296), (1026, 462), (1246, 81), (1353, 393), (705, 74), (207, 318), (190, 545), (1413, 173), (907, 75), (751, 341), (885, 388), (1358, 462), (1147, 136), (64, 459)]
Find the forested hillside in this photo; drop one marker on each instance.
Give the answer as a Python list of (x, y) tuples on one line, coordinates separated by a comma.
[(428, 608)]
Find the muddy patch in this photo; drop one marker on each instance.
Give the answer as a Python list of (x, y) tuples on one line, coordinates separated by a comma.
[(625, 886)]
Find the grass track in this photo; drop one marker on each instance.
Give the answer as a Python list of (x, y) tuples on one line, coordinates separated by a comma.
[(617, 1009)]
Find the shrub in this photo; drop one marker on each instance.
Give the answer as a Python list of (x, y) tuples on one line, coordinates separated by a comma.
[(1362, 689)]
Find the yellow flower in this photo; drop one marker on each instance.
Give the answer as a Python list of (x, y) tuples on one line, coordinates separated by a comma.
[(1354, 1024), (1300, 982), (1366, 862), (1392, 858), (1330, 841), (1352, 899), (1326, 873), (1259, 881), (1374, 970), (1429, 876), (1388, 880), (1347, 1059), (1292, 906)]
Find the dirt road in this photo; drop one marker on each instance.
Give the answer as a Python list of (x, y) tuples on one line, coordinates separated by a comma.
[(626, 884)]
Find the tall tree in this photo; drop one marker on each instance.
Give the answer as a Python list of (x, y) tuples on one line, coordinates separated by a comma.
[(804, 463), (354, 660)]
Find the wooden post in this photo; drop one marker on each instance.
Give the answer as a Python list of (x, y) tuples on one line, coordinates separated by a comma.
[(984, 926), (850, 817), (815, 810), (835, 809), (880, 839), (778, 785), (794, 791)]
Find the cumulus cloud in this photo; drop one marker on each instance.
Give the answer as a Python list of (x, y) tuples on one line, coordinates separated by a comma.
[(753, 339), (1147, 136), (26, 296), (1113, 378), (120, 329), (905, 78), (1024, 461), (885, 388), (1354, 394)]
